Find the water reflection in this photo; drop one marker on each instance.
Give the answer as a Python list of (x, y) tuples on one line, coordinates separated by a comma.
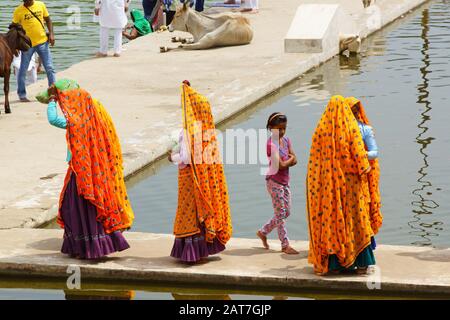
[(179, 296), (352, 62), (424, 205), (99, 295)]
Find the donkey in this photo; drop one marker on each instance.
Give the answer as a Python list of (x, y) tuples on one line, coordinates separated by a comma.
[(10, 44), (209, 31)]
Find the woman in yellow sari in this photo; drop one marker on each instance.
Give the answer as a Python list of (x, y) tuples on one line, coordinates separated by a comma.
[(343, 198), (202, 224)]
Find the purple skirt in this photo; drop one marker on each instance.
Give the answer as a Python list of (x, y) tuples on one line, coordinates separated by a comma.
[(84, 236), (194, 248)]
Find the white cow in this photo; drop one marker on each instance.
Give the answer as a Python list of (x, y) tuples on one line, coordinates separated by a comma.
[(209, 31)]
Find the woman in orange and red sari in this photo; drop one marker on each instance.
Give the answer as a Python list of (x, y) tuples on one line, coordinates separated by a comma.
[(94, 207), (343, 199), (202, 224)]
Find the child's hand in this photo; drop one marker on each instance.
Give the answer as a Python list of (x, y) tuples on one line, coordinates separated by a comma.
[(293, 159)]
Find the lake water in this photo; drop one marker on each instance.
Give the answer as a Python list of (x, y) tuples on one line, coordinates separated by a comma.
[(403, 79), (53, 289)]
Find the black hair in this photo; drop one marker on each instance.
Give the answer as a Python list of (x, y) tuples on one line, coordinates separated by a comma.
[(275, 118)]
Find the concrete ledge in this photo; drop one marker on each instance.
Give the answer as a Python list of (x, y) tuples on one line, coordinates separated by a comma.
[(314, 29), (35, 252)]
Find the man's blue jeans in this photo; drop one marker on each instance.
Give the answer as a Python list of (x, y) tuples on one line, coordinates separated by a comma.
[(43, 51), (150, 9)]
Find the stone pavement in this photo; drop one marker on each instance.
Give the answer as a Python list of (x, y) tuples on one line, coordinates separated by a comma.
[(244, 264)]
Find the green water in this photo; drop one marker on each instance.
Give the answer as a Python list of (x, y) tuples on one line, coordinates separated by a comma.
[(51, 289)]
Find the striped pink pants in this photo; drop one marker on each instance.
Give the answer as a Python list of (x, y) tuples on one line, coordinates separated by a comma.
[(281, 201)]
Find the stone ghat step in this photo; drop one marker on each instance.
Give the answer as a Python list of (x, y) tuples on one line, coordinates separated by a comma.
[(244, 264)]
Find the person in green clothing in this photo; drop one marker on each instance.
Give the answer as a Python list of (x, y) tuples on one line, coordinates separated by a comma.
[(139, 27)]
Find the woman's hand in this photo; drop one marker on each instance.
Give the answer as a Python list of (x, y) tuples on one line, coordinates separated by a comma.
[(52, 92)]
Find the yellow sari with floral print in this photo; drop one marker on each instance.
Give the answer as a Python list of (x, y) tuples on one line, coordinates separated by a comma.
[(202, 187), (338, 196)]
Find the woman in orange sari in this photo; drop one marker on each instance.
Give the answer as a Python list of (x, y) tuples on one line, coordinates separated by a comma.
[(343, 200), (94, 207), (202, 224)]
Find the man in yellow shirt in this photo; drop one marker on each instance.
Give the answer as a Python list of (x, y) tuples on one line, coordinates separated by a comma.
[(32, 15)]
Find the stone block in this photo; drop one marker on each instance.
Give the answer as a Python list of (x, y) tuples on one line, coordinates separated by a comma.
[(314, 29)]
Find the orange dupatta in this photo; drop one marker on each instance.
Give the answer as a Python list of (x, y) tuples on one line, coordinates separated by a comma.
[(337, 190), (373, 176), (205, 172), (96, 159)]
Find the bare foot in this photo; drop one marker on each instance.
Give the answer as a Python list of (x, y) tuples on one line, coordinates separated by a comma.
[(101, 55), (263, 239), (290, 250), (116, 55)]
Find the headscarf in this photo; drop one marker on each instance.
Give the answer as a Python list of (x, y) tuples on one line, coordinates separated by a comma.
[(337, 154), (373, 176), (96, 159), (140, 23), (208, 175), (61, 85)]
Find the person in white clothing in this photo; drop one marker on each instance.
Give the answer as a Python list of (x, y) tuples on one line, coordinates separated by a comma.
[(112, 15), (31, 75)]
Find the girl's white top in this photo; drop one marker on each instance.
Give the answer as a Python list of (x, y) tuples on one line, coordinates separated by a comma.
[(112, 13), (182, 157)]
